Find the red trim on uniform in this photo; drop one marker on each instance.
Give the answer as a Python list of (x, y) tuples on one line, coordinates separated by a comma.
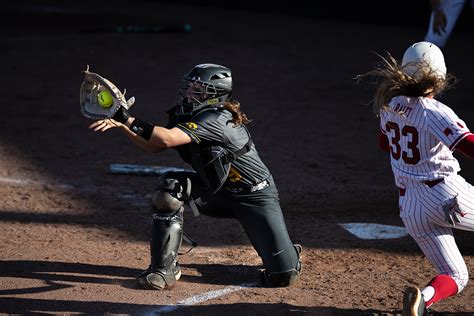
[(444, 287), (383, 142), (466, 146), (459, 139)]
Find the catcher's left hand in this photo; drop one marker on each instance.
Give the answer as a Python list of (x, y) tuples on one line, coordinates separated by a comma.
[(92, 85), (104, 125)]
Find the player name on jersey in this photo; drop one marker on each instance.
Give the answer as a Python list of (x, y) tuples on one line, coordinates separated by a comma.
[(406, 110)]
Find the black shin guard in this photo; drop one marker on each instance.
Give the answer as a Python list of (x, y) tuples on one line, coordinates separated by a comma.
[(166, 237)]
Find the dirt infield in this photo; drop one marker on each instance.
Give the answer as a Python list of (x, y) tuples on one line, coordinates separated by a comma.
[(74, 235)]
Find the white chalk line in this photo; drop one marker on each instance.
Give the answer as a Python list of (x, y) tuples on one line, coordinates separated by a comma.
[(14, 181), (204, 297)]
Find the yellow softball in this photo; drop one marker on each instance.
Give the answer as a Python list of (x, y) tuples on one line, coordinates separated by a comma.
[(105, 99)]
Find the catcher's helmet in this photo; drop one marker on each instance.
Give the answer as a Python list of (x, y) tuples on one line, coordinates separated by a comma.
[(419, 56), (205, 85)]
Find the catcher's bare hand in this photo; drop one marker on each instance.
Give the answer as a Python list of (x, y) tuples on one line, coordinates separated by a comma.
[(103, 125)]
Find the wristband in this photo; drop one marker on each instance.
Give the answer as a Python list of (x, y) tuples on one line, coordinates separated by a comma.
[(142, 128), (121, 115)]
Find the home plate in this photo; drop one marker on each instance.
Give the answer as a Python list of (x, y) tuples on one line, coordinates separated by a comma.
[(374, 231)]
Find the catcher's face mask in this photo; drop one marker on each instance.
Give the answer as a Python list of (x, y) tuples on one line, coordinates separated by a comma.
[(193, 96), (205, 85)]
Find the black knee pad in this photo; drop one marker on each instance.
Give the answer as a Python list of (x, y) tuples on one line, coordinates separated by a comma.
[(168, 196)]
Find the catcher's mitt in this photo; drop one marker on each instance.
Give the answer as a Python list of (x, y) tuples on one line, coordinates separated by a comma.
[(94, 84)]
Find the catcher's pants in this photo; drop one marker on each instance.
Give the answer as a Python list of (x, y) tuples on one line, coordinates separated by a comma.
[(421, 209), (260, 215)]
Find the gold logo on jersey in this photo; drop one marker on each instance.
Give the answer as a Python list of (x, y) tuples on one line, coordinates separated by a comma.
[(213, 101), (234, 175), (191, 125)]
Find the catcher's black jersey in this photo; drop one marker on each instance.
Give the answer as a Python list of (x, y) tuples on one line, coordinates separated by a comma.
[(217, 127)]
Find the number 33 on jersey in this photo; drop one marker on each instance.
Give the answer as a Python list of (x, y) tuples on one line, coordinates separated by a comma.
[(422, 133)]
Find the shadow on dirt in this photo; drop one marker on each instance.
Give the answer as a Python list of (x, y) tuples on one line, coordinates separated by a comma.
[(287, 309), (212, 274), (55, 274), (41, 307)]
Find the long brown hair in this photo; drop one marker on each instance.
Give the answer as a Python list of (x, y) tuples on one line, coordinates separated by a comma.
[(392, 81), (238, 117)]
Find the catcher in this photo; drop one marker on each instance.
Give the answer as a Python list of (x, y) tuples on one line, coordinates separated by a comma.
[(208, 130)]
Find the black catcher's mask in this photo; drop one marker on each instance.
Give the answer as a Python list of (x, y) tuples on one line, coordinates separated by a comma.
[(205, 85)]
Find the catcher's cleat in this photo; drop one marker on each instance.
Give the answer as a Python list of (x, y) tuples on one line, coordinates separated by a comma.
[(158, 279), (283, 278), (413, 303)]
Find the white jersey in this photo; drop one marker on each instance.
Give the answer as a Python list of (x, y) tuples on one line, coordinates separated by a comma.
[(422, 133)]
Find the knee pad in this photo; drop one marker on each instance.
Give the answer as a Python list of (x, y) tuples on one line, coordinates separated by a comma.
[(168, 196)]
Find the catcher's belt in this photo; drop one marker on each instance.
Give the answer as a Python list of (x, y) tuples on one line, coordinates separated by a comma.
[(249, 189)]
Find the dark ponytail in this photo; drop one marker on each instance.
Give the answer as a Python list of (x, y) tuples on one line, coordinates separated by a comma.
[(239, 117)]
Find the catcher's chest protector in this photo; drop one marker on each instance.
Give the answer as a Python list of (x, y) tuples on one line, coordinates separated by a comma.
[(210, 164), (212, 161)]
